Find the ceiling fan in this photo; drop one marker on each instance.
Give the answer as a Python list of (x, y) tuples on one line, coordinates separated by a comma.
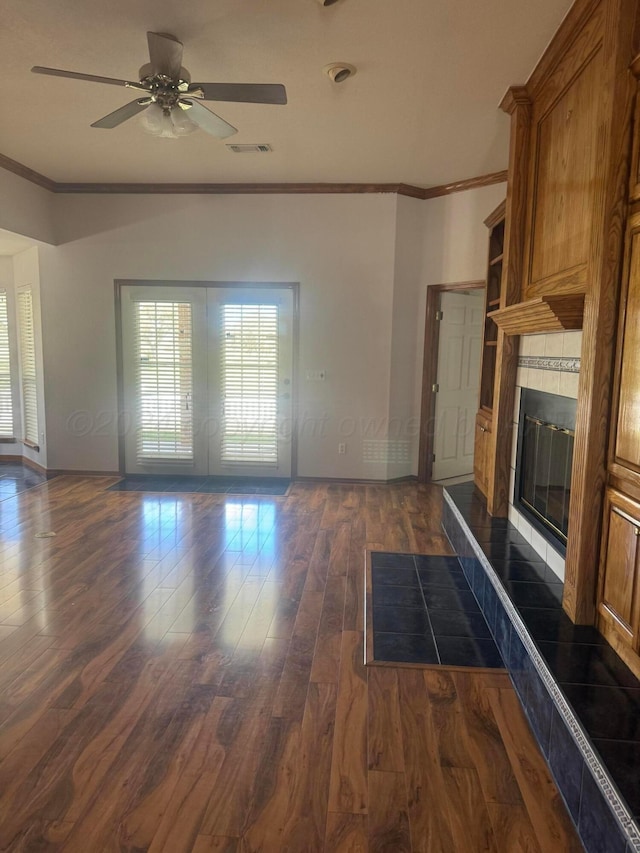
[(172, 101)]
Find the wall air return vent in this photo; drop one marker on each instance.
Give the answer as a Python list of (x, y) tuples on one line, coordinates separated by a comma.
[(256, 148)]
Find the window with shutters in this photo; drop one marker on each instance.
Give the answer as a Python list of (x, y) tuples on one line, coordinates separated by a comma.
[(164, 378), (249, 367), (6, 399), (28, 375)]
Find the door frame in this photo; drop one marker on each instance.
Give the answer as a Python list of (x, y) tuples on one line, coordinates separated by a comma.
[(430, 371), (292, 286)]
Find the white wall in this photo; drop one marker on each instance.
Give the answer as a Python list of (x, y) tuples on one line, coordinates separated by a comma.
[(454, 248), (26, 208), (363, 263), (339, 247), (406, 359)]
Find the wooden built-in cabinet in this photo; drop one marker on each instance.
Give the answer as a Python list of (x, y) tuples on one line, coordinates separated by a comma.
[(619, 582), (573, 175), (483, 457), (482, 451)]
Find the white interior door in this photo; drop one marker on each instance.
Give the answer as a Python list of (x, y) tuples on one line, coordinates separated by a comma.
[(207, 380), (459, 349)]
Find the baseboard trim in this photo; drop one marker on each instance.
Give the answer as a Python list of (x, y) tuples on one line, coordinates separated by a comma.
[(412, 478), (72, 472)]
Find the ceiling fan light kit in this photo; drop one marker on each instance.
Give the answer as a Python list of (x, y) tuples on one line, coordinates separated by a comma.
[(168, 123), (171, 102), (338, 72)]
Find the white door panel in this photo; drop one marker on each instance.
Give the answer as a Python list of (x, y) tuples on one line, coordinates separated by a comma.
[(459, 345)]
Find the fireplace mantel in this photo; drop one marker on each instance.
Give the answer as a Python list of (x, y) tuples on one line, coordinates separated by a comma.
[(553, 313)]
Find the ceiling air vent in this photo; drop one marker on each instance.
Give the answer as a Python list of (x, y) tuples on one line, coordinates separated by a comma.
[(257, 148)]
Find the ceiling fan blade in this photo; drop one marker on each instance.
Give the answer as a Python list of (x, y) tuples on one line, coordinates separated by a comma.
[(122, 114), (92, 78), (250, 93), (165, 53), (207, 120)]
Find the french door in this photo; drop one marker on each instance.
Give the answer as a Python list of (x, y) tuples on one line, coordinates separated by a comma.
[(207, 380)]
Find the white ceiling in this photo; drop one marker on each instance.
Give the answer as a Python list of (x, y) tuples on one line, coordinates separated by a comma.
[(421, 110)]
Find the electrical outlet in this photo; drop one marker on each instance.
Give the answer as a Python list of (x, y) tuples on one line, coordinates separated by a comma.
[(342, 448)]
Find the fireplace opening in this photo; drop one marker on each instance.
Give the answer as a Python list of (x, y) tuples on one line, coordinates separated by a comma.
[(543, 463)]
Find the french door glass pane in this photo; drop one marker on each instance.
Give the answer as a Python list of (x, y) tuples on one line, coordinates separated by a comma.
[(249, 382), (164, 374)]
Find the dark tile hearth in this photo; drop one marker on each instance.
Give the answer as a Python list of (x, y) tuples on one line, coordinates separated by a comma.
[(275, 486), (582, 701), (425, 612)]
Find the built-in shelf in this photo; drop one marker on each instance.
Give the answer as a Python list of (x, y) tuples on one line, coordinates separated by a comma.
[(496, 260), (491, 343), (554, 313)]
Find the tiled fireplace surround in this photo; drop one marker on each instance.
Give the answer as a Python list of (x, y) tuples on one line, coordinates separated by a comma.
[(536, 645)]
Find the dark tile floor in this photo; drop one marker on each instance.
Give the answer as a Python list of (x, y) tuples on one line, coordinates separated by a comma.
[(15, 478), (205, 485), (425, 612), (601, 689)]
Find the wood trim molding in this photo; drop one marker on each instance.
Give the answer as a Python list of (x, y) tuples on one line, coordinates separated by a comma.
[(518, 105), (409, 190), (562, 41), (542, 314), (28, 174), (231, 189), (430, 372), (468, 184)]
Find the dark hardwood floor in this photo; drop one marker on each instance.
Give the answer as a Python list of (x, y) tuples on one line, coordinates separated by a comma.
[(185, 673)]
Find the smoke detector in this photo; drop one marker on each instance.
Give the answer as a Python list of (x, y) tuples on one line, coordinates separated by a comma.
[(328, 2), (339, 71)]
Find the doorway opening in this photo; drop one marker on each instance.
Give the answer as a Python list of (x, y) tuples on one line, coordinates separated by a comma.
[(450, 380)]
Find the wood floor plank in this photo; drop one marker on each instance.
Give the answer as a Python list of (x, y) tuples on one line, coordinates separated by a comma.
[(326, 658), (513, 829), (188, 676), (388, 813), (180, 821), (346, 833), (486, 741), (448, 721), (541, 798), (290, 809), (349, 787), (468, 816), (211, 844), (384, 723), (427, 799)]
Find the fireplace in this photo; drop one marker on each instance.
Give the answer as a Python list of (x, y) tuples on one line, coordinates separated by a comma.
[(543, 463)]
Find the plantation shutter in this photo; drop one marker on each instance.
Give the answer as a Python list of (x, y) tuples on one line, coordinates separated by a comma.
[(164, 378), (28, 366), (249, 383), (6, 401)]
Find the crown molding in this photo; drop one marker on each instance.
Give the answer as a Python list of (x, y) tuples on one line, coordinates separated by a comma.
[(422, 193), (468, 184), (28, 174)]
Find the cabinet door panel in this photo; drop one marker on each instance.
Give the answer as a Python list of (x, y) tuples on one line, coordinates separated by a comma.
[(628, 429), (620, 567)]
